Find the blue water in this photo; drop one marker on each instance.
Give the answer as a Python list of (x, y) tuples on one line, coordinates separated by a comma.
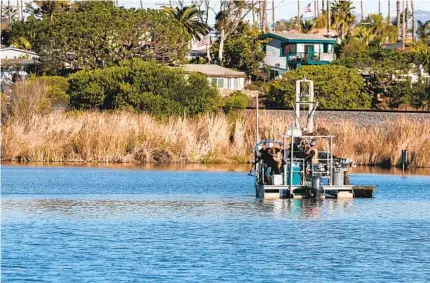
[(71, 224)]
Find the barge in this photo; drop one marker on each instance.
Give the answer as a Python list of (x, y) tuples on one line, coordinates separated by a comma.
[(302, 164)]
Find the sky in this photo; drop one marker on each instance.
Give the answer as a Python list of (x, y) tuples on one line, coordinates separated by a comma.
[(285, 9)]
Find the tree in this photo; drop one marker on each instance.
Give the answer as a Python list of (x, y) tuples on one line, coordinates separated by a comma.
[(228, 18), (189, 19), (336, 87), (49, 8), (9, 13), (22, 43), (374, 27), (243, 50), (97, 34), (306, 26), (321, 20), (382, 68), (144, 86), (423, 30), (286, 25), (343, 18)]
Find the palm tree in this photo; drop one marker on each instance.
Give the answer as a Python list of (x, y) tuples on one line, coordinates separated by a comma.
[(189, 18), (423, 30), (374, 27), (51, 7), (306, 26), (343, 18), (21, 42)]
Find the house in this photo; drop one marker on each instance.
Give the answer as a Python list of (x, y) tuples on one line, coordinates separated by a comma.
[(16, 64), (286, 51), (220, 77), (13, 53)]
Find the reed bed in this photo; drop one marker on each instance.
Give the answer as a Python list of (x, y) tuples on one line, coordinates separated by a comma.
[(133, 137)]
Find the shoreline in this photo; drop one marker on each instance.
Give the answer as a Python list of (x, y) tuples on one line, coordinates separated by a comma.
[(211, 167)]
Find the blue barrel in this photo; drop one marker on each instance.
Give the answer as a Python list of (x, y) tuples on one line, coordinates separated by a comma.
[(296, 174)]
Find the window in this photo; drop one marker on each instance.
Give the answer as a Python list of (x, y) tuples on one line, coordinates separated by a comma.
[(236, 83), (325, 48), (217, 82), (288, 49)]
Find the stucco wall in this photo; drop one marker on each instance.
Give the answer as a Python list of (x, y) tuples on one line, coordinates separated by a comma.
[(273, 53)]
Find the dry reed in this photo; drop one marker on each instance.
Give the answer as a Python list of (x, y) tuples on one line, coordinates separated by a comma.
[(132, 137)]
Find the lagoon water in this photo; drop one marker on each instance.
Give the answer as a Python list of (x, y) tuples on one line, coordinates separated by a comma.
[(74, 224)]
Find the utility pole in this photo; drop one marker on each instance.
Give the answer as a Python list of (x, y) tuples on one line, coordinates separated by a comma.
[(263, 15), (315, 9), (362, 10), (18, 13), (389, 11), (273, 15), (414, 24), (266, 20), (379, 7), (406, 11), (318, 8), (253, 14), (298, 15), (322, 4), (399, 27), (403, 25), (9, 11), (141, 4), (328, 17)]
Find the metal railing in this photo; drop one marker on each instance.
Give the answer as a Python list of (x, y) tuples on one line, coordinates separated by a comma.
[(302, 57)]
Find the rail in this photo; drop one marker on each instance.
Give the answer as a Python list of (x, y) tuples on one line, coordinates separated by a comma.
[(307, 57)]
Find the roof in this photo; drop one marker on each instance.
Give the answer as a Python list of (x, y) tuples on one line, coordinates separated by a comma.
[(396, 45), (17, 49), (298, 37), (213, 70)]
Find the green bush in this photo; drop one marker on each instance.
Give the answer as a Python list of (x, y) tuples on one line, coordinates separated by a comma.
[(236, 101), (145, 86), (335, 87), (56, 88)]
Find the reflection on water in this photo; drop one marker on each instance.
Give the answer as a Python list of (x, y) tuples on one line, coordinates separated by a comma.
[(78, 224), (151, 209), (209, 167)]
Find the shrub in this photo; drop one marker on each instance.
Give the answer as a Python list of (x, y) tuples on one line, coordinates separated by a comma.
[(145, 86), (237, 100), (57, 88), (335, 87)]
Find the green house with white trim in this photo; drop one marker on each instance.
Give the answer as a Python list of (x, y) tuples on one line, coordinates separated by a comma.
[(286, 51)]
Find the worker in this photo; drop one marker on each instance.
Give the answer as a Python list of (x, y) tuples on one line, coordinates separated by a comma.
[(267, 156), (255, 158), (312, 153), (312, 156)]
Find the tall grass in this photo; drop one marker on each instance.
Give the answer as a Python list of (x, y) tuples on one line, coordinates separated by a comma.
[(131, 137)]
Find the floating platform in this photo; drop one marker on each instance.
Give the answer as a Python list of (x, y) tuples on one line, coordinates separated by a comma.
[(301, 192)]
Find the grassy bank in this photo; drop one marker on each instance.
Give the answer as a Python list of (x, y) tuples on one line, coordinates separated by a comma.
[(131, 137)]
